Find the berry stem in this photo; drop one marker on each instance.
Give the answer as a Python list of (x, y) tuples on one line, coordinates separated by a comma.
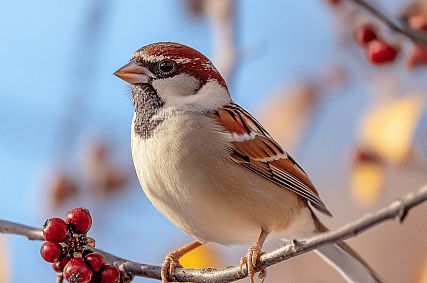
[(60, 278), (391, 22)]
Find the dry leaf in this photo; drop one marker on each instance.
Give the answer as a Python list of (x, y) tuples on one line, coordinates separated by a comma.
[(388, 129), (367, 182), (61, 189)]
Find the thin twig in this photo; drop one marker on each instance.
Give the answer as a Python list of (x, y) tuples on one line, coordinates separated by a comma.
[(396, 210), (59, 278), (396, 25), (222, 18)]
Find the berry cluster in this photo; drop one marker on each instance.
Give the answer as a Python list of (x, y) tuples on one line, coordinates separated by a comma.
[(378, 51), (67, 247)]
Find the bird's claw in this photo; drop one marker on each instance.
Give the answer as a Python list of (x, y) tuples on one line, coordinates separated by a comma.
[(250, 261), (262, 275), (169, 265)]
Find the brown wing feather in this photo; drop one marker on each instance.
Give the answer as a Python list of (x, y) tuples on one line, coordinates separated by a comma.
[(255, 149)]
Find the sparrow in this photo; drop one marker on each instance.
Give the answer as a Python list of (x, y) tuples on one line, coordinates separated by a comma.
[(212, 169)]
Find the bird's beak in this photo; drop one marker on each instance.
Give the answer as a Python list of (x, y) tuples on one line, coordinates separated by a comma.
[(133, 73)]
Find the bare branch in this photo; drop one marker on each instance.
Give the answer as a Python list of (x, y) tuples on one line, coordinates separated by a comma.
[(7, 227), (396, 25), (221, 15), (396, 210)]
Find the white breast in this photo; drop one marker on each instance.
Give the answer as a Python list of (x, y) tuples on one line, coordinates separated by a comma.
[(185, 170)]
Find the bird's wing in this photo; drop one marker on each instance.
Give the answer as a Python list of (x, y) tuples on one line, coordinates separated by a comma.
[(255, 149)]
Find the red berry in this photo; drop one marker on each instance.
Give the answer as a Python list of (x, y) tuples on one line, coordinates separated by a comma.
[(95, 261), (417, 57), (55, 230), (334, 2), (361, 155), (110, 274), (79, 218), (418, 22), (86, 252), (50, 251), (380, 52), (76, 271), (365, 34), (59, 265)]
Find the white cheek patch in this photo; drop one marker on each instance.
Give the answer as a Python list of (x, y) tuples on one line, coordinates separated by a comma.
[(180, 92), (211, 96), (176, 88)]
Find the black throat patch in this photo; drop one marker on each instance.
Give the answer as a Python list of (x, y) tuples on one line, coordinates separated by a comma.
[(147, 104)]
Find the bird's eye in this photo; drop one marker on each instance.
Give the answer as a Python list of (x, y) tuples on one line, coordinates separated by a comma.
[(166, 66)]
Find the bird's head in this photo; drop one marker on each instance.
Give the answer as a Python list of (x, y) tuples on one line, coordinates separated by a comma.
[(179, 75)]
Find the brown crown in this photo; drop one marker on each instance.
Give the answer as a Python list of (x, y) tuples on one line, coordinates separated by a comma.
[(187, 59)]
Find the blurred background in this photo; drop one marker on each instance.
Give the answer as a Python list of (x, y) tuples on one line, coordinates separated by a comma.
[(359, 130)]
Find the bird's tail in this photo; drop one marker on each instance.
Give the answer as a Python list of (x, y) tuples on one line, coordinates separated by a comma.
[(346, 261)]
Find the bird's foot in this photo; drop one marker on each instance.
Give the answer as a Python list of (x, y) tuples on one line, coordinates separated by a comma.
[(250, 260), (169, 265), (262, 275), (172, 259)]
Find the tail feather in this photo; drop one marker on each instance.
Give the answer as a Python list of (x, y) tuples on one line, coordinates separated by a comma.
[(346, 261), (349, 265)]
